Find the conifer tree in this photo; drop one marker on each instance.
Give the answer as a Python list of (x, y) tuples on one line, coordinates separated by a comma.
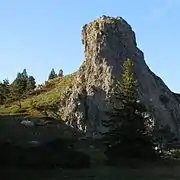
[(31, 83), (4, 91), (60, 74), (6, 82), (52, 74), (128, 134), (19, 86), (24, 74)]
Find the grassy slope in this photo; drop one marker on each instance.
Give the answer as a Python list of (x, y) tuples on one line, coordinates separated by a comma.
[(51, 96)]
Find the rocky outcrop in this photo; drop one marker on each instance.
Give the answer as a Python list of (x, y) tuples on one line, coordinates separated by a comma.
[(108, 42)]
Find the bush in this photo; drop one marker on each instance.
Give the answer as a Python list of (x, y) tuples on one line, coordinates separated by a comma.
[(140, 149), (174, 154)]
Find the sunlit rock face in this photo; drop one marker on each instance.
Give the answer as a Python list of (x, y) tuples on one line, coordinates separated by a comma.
[(107, 43)]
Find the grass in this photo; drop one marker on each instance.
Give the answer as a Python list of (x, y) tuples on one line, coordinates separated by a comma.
[(52, 95), (96, 173), (10, 128)]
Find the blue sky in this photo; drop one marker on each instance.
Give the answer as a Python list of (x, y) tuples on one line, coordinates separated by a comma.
[(43, 34)]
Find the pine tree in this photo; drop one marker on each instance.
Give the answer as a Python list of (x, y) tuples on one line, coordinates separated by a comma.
[(6, 82), (31, 83), (60, 74), (52, 74), (24, 74), (4, 91), (128, 134), (19, 86), (2, 97)]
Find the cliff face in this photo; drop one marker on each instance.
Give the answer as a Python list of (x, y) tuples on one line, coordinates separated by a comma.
[(107, 43)]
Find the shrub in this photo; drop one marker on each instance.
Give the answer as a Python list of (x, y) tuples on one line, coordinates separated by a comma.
[(174, 153)]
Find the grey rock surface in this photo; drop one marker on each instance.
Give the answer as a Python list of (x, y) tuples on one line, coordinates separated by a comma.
[(107, 43)]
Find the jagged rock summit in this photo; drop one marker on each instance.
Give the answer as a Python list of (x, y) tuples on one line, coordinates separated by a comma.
[(107, 43)]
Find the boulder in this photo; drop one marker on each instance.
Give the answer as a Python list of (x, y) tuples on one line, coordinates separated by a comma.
[(27, 123)]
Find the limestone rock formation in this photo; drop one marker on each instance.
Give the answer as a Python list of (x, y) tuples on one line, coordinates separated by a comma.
[(108, 42)]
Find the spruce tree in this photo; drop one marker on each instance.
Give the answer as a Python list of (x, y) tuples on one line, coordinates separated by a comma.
[(2, 96), (24, 74), (19, 86), (128, 134), (6, 82), (4, 91), (52, 74), (31, 83), (60, 74)]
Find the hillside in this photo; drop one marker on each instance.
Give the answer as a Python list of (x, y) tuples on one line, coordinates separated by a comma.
[(49, 94)]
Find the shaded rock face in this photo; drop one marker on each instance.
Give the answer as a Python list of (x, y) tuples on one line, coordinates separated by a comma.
[(108, 42)]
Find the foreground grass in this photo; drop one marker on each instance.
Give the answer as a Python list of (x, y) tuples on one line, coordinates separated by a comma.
[(12, 129), (96, 173)]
